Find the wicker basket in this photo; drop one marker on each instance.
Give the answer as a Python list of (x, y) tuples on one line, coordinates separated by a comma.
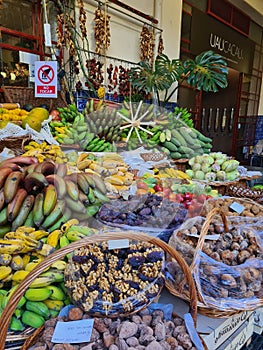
[(180, 164), (13, 301), (204, 307), (26, 95), (16, 144), (244, 192)]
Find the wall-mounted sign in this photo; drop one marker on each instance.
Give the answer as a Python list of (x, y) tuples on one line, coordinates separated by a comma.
[(46, 79), (208, 33)]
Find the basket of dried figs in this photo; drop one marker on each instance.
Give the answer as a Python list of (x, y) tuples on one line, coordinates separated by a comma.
[(226, 260), (144, 280), (246, 206)]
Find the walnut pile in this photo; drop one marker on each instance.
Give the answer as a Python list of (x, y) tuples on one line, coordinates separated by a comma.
[(142, 331), (117, 281)]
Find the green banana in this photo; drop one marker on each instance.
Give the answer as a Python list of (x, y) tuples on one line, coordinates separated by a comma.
[(16, 324), (32, 319), (37, 294), (55, 214), (57, 293), (38, 307), (38, 214)]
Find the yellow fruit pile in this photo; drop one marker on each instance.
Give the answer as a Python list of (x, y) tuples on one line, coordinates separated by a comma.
[(12, 115), (44, 151)]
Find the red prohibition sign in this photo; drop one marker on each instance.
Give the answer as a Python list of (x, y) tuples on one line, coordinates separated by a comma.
[(45, 74)]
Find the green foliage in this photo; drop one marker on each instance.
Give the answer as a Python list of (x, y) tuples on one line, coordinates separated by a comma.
[(208, 72)]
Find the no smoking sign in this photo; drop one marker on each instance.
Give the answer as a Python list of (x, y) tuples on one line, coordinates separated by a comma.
[(46, 79)]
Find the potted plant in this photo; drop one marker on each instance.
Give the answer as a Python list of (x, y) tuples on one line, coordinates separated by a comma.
[(208, 72)]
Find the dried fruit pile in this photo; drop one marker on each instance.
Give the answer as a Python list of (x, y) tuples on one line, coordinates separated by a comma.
[(145, 330), (114, 281), (147, 210)]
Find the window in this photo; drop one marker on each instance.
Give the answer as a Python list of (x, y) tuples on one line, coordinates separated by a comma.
[(21, 31)]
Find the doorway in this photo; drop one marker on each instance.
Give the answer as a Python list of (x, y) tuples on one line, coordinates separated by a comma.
[(219, 112)]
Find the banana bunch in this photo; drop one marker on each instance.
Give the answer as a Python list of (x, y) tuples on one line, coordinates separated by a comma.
[(68, 114), (44, 195), (44, 151), (38, 304), (184, 115), (171, 173), (114, 171), (92, 106), (105, 123)]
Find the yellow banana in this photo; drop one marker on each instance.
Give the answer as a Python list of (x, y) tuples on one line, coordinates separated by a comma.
[(59, 184), (54, 304), (19, 276), (26, 259), (59, 265), (53, 238), (17, 262), (5, 271), (38, 234), (68, 224), (42, 281), (46, 250), (50, 199)]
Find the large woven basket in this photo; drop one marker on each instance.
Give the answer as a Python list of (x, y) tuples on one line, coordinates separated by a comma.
[(26, 95), (13, 301), (15, 144), (203, 306)]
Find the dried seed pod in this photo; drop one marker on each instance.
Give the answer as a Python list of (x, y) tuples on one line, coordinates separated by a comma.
[(228, 281)]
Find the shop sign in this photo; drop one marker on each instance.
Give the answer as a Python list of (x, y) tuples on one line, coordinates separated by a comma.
[(208, 33), (46, 79)]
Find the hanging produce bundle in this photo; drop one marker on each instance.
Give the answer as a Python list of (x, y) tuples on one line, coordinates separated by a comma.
[(146, 45), (101, 31)]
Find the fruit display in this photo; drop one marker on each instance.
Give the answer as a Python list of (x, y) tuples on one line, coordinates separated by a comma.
[(215, 166), (178, 140), (143, 211), (114, 281), (147, 329), (12, 115), (43, 151), (111, 167), (43, 194)]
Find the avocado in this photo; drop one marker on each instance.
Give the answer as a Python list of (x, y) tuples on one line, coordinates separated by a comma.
[(27, 107)]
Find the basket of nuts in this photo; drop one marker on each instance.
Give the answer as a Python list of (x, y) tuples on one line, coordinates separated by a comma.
[(226, 261), (98, 243)]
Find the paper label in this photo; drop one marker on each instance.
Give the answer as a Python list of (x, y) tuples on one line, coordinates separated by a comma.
[(73, 331), (238, 208), (118, 244)]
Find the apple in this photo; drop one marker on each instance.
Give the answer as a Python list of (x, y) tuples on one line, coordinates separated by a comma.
[(158, 188), (142, 185)]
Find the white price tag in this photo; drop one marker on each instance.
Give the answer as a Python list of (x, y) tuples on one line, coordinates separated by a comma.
[(118, 244), (73, 331), (238, 208)]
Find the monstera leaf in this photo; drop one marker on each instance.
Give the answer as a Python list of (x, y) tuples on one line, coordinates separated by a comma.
[(206, 72), (144, 77), (164, 66)]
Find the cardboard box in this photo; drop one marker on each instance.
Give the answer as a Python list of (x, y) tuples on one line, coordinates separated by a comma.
[(225, 330), (240, 338), (258, 320)]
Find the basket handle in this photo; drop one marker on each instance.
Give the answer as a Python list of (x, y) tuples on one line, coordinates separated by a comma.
[(204, 231), (49, 260)]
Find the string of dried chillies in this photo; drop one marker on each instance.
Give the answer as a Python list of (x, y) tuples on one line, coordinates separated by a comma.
[(101, 31)]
